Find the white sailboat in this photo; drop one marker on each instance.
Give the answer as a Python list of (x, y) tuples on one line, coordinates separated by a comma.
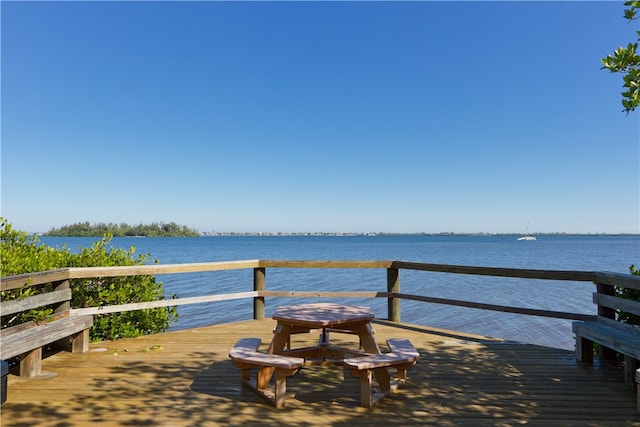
[(526, 235)]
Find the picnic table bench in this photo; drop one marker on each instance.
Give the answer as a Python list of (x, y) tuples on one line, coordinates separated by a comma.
[(402, 357), (245, 356)]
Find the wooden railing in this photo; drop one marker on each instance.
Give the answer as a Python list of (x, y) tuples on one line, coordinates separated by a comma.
[(392, 293)]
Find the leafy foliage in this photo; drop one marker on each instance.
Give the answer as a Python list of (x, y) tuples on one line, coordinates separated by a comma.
[(627, 61), (633, 294), (22, 253), (119, 290), (84, 229)]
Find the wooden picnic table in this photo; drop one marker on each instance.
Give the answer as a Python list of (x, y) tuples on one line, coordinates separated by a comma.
[(328, 318), (365, 361)]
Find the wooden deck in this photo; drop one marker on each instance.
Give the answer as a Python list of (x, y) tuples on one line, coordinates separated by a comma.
[(185, 378)]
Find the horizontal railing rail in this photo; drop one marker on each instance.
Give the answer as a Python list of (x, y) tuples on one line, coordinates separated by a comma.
[(43, 277), (604, 280), (580, 276), (36, 278)]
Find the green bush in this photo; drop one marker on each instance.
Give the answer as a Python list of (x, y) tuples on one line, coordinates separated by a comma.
[(22, 253), (627, 293)]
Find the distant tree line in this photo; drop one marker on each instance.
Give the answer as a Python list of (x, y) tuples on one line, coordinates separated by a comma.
[(156, 229)]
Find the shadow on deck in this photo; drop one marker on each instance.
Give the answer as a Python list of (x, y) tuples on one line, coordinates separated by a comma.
[(185, 378)]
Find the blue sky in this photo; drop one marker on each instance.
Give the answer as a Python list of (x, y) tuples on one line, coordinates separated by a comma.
[(318, 116)]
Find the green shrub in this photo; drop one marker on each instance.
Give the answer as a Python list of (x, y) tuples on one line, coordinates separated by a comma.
[(633, 294), (22, 253)]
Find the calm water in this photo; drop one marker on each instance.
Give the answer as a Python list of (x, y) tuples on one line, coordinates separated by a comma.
[(592, 253)]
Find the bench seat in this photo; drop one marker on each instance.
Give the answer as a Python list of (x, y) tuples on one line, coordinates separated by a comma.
[(378, 361), (245, 356), (623, 338), (620, 337), (403, 356), (246, 351), (27, 342), (402, 345)]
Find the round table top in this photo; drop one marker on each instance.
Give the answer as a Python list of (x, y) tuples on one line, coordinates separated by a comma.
[(322, 315)]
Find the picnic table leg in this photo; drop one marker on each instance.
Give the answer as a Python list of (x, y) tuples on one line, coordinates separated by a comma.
[(261, 384), (367, 338), (264, 376), (324, 337), (280, 390), (245, 373), (402, 374), (366, 388), (281, 336), (281, 385), (369, 344), (384, 379)]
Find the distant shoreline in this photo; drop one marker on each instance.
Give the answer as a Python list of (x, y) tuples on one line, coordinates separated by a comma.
[(336, 234), (373, 234)]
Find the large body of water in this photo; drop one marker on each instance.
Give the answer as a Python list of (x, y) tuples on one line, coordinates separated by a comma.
[(589, 253)]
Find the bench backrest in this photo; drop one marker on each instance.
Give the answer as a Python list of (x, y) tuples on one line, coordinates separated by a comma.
[(58, 300), (609, 304), (627, 327)]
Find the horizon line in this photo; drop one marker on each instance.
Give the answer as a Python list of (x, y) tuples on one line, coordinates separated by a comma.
[(383, 233)]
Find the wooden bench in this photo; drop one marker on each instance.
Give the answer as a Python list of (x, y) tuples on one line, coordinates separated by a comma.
[(403, 356), (613, 336), (27, 339), (245, 356)]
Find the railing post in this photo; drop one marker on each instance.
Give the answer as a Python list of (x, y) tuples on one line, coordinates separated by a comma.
[(610, 313), (65, 306), (259, 284), (393, 286), (62, 309)]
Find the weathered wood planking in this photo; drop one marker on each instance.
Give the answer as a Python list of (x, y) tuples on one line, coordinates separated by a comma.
[(586, 276), (39, 335), (185, 378), (162, 303), (500, 308), (30, 279), (14, 282), (17, 305), (393, 294)]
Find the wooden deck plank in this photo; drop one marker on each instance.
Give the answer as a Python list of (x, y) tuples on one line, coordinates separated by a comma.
[(185, 378)]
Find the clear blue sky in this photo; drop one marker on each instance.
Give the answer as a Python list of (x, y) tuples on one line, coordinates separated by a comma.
[(318, 116)]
